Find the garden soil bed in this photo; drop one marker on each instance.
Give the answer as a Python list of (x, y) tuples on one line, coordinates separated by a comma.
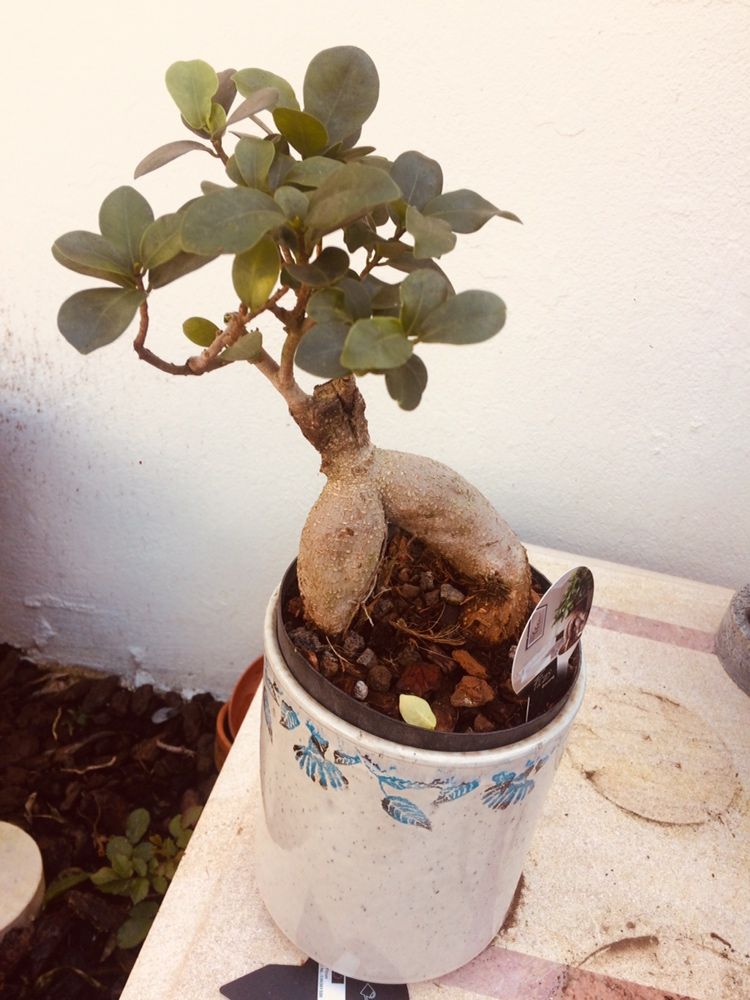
[(78, 753)]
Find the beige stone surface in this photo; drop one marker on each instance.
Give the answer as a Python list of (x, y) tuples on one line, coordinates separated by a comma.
[(640, 868)]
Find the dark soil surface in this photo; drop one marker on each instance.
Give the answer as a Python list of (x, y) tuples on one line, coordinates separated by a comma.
[(78, 753), (407, 639)]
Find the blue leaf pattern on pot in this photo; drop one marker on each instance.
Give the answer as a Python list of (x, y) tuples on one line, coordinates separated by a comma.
[(405, 811), (508, 787), (453, 792), (289, 718)]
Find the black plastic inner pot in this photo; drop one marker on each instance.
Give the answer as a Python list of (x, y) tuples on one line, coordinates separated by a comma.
[(372, 721)]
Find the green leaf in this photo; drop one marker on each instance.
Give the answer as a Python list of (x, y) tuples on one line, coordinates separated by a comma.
[(341, 89), (136, 927), (247, 348), (357, 298), (191, 816), (175, 826), (328, 305), (464, 211), (326, 269), (123, 218), (229, 221), (103, 876), (254, 157), (161, 241), (346, 195), (217, 121), (293, 203), (261, 100), (160, 884), (143, 851), (166, 153), (419, 177), (254, 273), (139, 889), (319, 351), (137, 824), (280, 167), (382, 295), (301, 130), (416, 711), (64, 881), (227, 89), (432, 236), (358, 235), (200, 331), (407, 383), (192, 84), (178, 267), (311, 173), (466, 318), (140, 867), (116, 887), (92, 254), (375, 345), (249, 81), (93, 318), (421, 293)]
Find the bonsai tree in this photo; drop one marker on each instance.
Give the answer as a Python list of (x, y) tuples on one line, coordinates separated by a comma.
[(312, 223)]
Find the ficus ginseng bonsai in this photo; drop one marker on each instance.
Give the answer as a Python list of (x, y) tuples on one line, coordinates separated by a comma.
[(292, 194)]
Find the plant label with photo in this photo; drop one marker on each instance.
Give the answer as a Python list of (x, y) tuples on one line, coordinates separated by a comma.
[(308, 982), (549, 647)]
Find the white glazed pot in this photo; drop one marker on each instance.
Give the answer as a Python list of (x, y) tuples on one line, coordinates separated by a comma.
[(387, 862)]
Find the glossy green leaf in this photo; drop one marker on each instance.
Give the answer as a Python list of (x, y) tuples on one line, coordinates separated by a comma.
[(123, 218), (312, 172), (407, 383), (178, 267), (328, 306), (229, 221), (416, 711), (260, 100), (375, 345), (255, 272), (301, 130), (133, 932), (93, 318), (421, 293), (200, 331), (419, 177), (254, 157), (346, 195), (166, 153), (247, 348), (192, 85), (250, 81), (161, 240), (341, 89), (464, 211), (93, 255), (293, 202), (319, 351), (137, 824), (432, 236), (466, 318), (326, 269)]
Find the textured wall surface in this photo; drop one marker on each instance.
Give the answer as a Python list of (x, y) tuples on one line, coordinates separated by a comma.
[(145, 519)]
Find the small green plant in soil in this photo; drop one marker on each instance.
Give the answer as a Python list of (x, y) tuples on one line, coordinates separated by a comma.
[(141, 866), (340, 245)]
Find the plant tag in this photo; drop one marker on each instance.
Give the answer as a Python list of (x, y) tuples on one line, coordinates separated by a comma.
[(549, 645), (307, 982)]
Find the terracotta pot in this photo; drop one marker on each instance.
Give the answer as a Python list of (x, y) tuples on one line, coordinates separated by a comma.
[(231, 714)]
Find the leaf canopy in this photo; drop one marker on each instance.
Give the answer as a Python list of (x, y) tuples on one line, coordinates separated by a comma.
[(311, 173), (420, 294), (419, 177), (326, 269), (97, 316), (466, 318), (464, 211), (229, 221), (249, 81), (253, 157), (161, 240), (346, 195), (301, 130), (432, 236), (319, 351), (93, 255)]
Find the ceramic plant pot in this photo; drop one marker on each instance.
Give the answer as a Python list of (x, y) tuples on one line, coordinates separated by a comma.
[(390, 862)]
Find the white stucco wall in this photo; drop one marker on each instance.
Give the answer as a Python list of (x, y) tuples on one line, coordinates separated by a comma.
[(146, 518)]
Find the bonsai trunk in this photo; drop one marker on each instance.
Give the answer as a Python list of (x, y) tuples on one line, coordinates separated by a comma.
[(369, 488)]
